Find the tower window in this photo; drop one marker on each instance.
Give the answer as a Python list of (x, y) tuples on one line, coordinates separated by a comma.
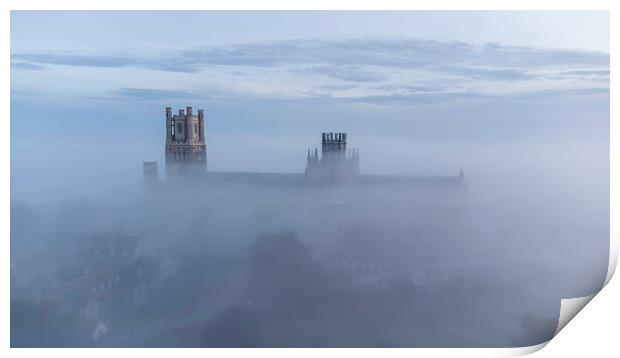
[(196, 128), (179, 128)]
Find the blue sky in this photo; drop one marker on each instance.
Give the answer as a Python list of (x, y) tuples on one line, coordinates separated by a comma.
[(92, 86)]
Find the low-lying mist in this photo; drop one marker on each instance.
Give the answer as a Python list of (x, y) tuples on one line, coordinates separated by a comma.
[(98, 259)]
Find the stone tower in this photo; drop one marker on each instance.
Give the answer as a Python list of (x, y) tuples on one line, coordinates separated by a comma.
[(336, 165), (186, 151)]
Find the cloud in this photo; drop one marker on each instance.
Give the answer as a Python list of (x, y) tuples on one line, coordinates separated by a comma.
[(78, 60), (494, 53), (587, 74), (495, 74), (146, 94), (601, 73), (414, 98), (346, 73), (362, 70), (402, 54), (28, 66), (410, 89), (337, 87), (558, 93)]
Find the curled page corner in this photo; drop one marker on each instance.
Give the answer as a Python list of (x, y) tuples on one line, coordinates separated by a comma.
[(569, 307), (613, 257), (523, 351)]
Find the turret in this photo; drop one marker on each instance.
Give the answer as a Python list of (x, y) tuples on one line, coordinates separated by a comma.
[(189, 125), (168, 125), (201, 125)]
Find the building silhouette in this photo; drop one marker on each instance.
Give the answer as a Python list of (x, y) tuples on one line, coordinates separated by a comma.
[(337, 164)]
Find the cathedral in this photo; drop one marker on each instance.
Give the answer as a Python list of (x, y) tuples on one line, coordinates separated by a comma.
[(186, 158)]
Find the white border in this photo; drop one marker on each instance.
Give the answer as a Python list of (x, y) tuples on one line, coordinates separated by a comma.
[(599, 326), (309, 5)]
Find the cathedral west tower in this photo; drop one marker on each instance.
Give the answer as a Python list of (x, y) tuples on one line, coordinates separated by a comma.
[(186, 151)]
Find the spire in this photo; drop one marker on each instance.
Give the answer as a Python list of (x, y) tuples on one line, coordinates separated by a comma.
[(461, 174)]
